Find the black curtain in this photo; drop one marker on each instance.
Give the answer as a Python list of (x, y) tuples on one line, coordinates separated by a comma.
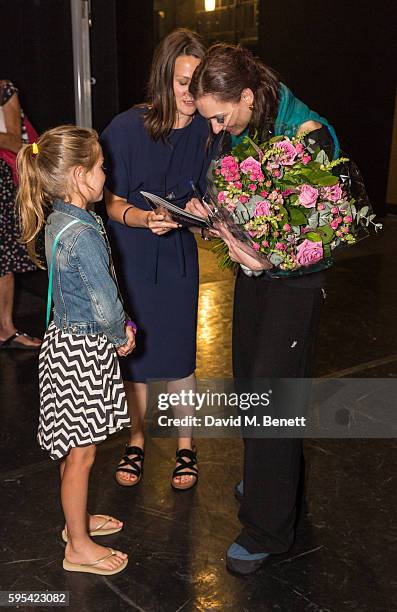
[(340, 58), (36, 54)]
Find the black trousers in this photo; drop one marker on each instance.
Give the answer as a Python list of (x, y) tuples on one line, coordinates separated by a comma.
[(275, 325)]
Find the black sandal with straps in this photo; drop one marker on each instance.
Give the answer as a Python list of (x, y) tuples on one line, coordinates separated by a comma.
[(131, 465), (186, 465)]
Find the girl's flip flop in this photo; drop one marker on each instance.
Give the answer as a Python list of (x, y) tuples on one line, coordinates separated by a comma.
[(91, 568), (99, 530)]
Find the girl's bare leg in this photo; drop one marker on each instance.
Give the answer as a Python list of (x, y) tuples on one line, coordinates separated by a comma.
[(92, 520), (74, 490)]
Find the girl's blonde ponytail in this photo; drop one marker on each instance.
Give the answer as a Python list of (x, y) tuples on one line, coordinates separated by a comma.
[(31, 203)]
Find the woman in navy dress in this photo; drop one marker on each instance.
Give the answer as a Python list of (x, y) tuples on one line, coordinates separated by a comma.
[(159, 147)]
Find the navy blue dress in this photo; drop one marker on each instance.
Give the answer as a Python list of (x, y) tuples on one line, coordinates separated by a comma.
[(158, 274)]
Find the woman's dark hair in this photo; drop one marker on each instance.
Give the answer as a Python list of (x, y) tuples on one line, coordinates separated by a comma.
[(160, 117), (229, 69)]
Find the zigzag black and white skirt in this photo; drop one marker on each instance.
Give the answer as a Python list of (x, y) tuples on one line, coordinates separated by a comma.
[(82, 398)]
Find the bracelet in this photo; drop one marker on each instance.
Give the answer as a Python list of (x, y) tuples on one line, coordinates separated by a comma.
[(124, 214), (134, 326)]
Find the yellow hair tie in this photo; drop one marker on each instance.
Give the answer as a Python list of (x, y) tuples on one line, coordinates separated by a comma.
[(35, 148)]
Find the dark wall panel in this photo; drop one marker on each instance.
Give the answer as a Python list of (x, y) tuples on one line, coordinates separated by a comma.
[(340, 58), (121, 53), (36, 54)]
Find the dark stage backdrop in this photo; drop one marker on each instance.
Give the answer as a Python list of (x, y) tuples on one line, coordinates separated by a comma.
[(340, 58), (36, 54), (121, 50)]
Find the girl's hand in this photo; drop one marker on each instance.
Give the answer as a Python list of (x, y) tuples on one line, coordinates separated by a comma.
[(238, 252), (126, 349), (195, 207), (160, 224)]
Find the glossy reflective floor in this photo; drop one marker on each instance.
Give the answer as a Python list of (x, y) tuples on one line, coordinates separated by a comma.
[(344, 555)]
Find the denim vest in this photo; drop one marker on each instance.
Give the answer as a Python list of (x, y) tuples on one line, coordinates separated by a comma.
[(85, 295)]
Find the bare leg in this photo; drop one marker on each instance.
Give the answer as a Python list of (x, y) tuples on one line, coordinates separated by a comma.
[(137, 401), (185, 438), (7, 327), (92, 521), (74, 490)]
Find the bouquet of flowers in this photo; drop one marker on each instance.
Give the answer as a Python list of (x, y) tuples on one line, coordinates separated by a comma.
[(288, 199)]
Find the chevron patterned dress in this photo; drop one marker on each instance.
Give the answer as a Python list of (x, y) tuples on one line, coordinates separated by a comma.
[(82, 398)]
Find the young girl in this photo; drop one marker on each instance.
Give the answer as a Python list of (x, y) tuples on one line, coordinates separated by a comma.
[(82, 397)]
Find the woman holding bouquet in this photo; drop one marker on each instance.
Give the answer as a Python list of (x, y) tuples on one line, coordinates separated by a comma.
[(275, 320), (158, 147)]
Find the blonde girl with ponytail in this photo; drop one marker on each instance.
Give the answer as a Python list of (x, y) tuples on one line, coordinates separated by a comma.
[(82, 397)]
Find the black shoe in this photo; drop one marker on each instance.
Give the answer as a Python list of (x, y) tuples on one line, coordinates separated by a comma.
[(240, 561), (131, 463)]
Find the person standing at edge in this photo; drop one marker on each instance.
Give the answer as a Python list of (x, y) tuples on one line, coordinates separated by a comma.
[(238, 93), (159, 147)]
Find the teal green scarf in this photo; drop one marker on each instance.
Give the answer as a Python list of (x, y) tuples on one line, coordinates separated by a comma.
[(291, 114)]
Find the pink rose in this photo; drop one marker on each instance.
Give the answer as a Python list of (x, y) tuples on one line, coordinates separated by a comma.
[(243, 199), (309, 252), (308, 196), (251, 166), (262, 209), (287, 152), (263, 194), (276, 173), (252, 187), (299, 148), (265, 243), (348, 219), (334, 224), (255, 246), (306, 159), (280, 246), (333, 193), (221, 196), (229, 168), (335, 210), (287, 227), (321, 207), (238, 185)]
